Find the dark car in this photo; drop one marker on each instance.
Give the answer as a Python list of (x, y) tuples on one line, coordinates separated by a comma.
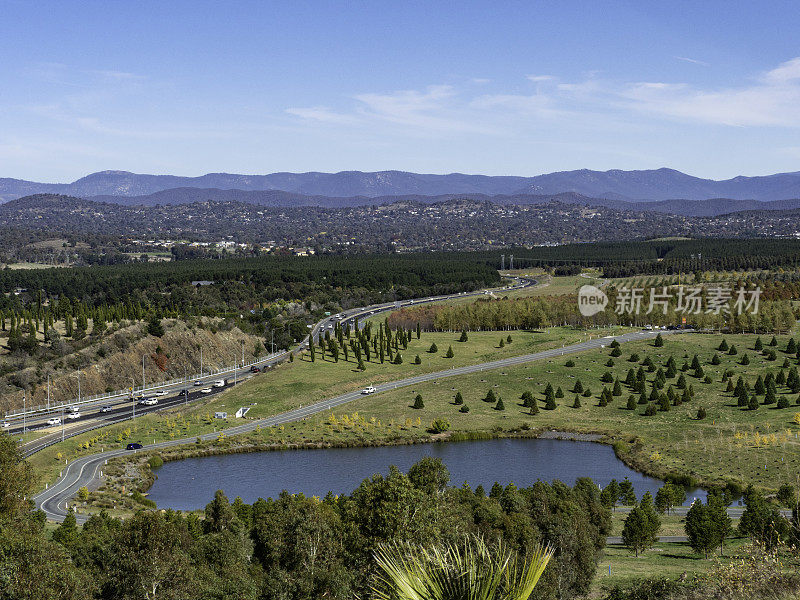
[(255, 370), (133, 446)]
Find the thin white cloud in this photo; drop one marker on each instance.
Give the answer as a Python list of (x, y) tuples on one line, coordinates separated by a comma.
[(539, 78), (694, 61), (770, 99)]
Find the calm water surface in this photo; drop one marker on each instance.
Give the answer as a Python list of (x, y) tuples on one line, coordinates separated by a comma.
[(190, 484)]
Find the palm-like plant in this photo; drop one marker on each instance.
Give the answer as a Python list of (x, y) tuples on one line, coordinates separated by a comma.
[(470, 571)]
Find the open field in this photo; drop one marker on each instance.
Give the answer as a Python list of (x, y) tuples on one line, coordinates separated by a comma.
[(670, 560), (302, 382), (753, 446), (750, 446)]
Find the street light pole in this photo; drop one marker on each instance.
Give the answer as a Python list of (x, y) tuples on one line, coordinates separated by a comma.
[(142, 374)]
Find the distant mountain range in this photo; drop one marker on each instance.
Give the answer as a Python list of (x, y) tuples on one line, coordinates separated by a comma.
[(633, 186)]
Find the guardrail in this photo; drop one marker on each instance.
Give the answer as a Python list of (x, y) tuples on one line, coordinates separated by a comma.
[(42, 409)]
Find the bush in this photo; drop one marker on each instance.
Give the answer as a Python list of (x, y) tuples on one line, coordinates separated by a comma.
[(434, 348), (650, 410), (439, 425), (616, 352), (464, 337), (418, 403), (417, 360), (500, 405), (155, 461), (459, 399), (701, 413), (464, 409), (577, 402), (398, 359), (634, 357), (449, 352), (783, 402), (570, 363)]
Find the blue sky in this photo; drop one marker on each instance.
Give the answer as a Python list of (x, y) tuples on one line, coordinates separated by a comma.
[(709, 88)]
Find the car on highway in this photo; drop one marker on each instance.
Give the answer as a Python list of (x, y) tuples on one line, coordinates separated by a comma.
[(255, 370), (198, 383), (74, 415), (149, 402), (4, 424), (206, 390), (106, 409), (160, 393), (133, 446), (219, 383), (54, 421), (368, 390)]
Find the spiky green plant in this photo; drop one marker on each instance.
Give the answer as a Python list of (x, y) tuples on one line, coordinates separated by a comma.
[(467, 571)]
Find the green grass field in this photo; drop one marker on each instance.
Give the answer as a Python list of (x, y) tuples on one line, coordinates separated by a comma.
[(730, 443), (670, 560), (751, 446), (299, 383)]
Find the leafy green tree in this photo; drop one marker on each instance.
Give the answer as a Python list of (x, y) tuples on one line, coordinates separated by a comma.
[(149, 558), (761, 521), (220, 516), (637, 531), (154, 327), (429, 475), (627, 497), (66, 533)]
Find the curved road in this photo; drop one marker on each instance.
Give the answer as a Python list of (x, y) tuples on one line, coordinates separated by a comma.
[(121, 407), (85, 470)]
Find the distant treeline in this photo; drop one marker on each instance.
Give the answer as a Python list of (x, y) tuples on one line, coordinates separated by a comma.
[(623, 259), (323, 278), (774, 316)]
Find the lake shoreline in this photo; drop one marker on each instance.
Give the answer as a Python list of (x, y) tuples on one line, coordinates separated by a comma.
[(136, 472)]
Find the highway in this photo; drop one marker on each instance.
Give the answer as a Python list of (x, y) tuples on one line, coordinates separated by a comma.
[(92, 417), (85, 471)]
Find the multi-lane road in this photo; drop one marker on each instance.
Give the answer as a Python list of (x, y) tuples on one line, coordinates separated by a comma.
[(85, 471), (121, 408)]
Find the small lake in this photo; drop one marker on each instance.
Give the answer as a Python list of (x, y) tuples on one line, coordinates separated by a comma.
[(190, 484)]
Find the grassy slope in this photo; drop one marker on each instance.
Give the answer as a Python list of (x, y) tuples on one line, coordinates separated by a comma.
[(709, 449), (299, 383)]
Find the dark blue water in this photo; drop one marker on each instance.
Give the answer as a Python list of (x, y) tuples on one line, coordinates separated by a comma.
[(190, 484)]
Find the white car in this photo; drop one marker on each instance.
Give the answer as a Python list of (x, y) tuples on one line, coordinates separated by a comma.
[(4, 424), (54, 421), (74, 415), (149, 402), (368, 390), (219, 383), (206, 390), (160, 393), (106, 409)]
